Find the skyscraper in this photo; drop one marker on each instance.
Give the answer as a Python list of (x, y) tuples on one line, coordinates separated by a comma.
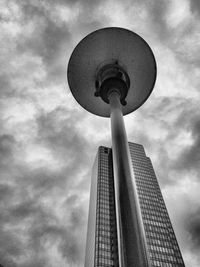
[(102, 242)]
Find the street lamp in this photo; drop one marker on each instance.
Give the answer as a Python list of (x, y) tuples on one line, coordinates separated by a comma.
[(111, 73)]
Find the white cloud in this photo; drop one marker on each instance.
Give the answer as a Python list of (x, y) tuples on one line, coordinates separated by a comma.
[(39, 156), (9, 10), (178, 13), (67, 14), (128, 14), (191, 259), (172, 80), (175, 146), (17, 110)]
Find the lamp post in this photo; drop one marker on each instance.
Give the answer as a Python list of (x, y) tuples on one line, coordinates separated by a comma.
[(111, 73)]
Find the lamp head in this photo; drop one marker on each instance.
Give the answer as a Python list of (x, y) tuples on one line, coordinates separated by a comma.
[(111, 58)]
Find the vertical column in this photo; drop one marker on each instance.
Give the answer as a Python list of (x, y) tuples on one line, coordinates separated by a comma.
[(131, 238)]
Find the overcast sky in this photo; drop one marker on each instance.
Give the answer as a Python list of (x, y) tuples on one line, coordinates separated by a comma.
[(48, 142)]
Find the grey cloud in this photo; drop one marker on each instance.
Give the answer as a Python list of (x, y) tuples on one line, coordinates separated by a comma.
[(157, 11), (157, 114), (195, 6), (34, 261), (49, 35), (62, 139), (24, 210), (6, 191), (189, 120), (7, 143), (62, 135), (46, 41), (190, 158), (48, 228), (10, 247), (6, 87), (50, 40), (193, 227), (43, 226), (184, 115), (33, 185)]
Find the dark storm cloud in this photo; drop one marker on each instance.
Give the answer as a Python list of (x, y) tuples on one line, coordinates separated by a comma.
[(6, 192), (71, 245), (30, 186), (195, 6), (58, 130), (47, 37), (7, 143), (193, 227), (46, 227), (157, 11), (10, 248), (51, 32), (44, 34), (42, 226), (6, 88)]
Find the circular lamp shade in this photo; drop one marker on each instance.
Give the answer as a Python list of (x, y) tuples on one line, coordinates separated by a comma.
[(107, 46)]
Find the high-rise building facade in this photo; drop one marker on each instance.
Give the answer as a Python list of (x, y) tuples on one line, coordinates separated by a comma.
[(102, 245)]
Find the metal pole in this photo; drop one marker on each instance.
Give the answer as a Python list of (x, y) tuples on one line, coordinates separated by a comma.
[(132, 248)]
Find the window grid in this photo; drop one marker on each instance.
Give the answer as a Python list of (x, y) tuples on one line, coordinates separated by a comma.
[(106, 254), (161, 241), (162, 245)]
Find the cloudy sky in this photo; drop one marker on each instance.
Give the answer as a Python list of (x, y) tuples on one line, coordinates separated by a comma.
[(48, 142)]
